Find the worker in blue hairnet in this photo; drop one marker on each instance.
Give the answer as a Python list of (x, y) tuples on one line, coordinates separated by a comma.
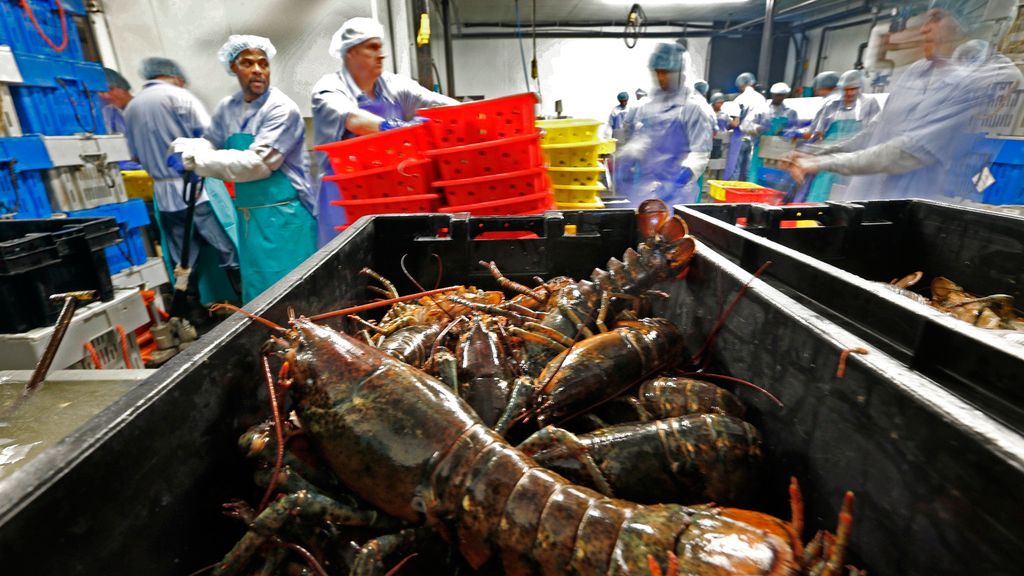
[(162, 112), (721, 118), (825, 84), (360, 98), (923, 142), (701, 86), (257, 140), (749, 102), (617, 116), (115, 99), (671, 143)]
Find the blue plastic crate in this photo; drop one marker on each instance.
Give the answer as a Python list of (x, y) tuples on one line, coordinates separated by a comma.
[(18, 32), (24, 195), (131, 216), (59, 97), (1008, 170)]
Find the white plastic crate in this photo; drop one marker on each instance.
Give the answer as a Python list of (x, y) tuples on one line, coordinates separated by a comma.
[(23, 351), (10, 127), (85, 173), (775, 147), (147, 276)]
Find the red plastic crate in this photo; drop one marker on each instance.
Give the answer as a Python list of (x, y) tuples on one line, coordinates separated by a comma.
[(410, 177), (758, 195), (414, 204), (532, 204), (388, 148), (482, 121), (487, 158), (495, 187)]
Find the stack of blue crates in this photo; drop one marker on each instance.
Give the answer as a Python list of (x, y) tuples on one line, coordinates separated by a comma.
[(58, 97)]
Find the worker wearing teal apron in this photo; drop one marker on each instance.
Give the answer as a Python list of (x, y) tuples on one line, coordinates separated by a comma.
[(256, 139), (821, 187)]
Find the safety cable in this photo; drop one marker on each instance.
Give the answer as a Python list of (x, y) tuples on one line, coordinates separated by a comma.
[(93, 355), (35, 23), (123, 337), (14, 185), (74, 106)]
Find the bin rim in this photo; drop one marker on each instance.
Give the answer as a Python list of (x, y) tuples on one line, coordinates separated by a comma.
[(488, 178)]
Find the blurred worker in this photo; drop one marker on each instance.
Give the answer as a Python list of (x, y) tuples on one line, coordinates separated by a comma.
[(824, 84), (257, 140), (162, 112), (115, 98), (721, 118), (749, 101), (921, 143), (840, 118), (670, 147), (359, 99), (772, 117), (701, 87), (617, 116)]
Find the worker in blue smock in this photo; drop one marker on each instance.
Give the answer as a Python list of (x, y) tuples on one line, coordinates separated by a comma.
[(701, 86), (921, 144), (257, 140), (750, 102), (162, 112), (840, 118), (671, 143), (825, 87), (115, 99), (359, 99), (771, 119), (721, 118), (617, 116)]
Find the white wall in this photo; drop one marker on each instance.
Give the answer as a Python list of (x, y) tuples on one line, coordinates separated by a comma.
[(839, 50), (191, 31), (584, 73)]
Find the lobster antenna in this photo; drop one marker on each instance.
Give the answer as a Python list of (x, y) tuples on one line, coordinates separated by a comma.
[(278, 433), (728, 312), (251, 316), (736, 381), (421, 288)]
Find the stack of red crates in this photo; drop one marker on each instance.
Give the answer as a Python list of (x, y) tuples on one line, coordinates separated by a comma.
[(383, 173), (488, 156)]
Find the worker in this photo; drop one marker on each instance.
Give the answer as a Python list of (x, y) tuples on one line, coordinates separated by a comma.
[(629, 119), (824, 84), (921, 143), (841, 117), (772, 117), (749, 101), (721, 118), (616, 117), (671, 144), (162, 112), (257, 140), (701, 86), (115, 99), (359, 99)]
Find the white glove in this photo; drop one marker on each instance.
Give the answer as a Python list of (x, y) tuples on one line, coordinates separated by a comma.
[(182, 145)]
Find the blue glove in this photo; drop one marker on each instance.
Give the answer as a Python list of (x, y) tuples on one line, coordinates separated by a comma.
[(174, 163), (685, 175), (390, 124)]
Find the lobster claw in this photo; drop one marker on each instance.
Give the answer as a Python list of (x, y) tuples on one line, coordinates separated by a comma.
[(650, 216)]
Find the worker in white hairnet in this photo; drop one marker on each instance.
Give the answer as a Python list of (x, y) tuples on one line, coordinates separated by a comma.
[(773, 116), (749, 102), (257, 140), (360, 98), (923, 143), (671, 143), (162, 112)]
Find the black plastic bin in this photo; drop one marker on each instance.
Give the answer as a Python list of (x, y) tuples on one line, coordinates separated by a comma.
[(42, 257), (138, 490), (836, 269)]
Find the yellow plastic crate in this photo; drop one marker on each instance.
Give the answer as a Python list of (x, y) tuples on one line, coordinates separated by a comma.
[(568, 130), (138, 184), (717, 187), (579, 194), (580, 205), (577, 154), (575, 176)]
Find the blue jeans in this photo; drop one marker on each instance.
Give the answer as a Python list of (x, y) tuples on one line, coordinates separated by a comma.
[(206, 229)]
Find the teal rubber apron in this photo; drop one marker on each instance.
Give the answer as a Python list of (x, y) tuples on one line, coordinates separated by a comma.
[(779, 124), (275, 231), (821, 187)]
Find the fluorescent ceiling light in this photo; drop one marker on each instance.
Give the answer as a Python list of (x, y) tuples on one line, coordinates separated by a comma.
[(628, 3)]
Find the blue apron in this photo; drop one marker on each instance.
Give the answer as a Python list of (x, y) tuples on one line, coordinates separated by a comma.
[(779, 124), (330, 217), (275, 231), (821, 186)]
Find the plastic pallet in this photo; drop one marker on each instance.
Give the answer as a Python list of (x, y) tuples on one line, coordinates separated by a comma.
[(131, 216), (25, 195), (18, 31), (59, 97)]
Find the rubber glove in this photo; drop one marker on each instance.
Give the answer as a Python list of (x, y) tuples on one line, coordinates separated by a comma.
[(684, 177), (390, 125), (175, 162)]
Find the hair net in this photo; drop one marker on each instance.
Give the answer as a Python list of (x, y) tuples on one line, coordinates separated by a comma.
[(354, 32), (238, 43), (157, 66), (851, 78), (780, 88), (975, 16), (745, 79), (622, 96), (667, 57), (640, 93), (827, 79), (115, 80), (701, 86), (717, 97)]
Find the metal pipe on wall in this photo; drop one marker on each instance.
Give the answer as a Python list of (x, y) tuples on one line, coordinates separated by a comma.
[(764, 65), (449, 63)]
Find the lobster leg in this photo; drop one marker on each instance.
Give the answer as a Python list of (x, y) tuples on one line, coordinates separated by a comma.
[(580, 326), (365, 324), (446, 366), (297, 507), (369, 560), (534, 337), (518, 401), (509, 284), (602, 313), (550, 436), (555, 335), (391, 290)]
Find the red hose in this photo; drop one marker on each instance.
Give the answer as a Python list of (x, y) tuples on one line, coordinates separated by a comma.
[(92, 354), (124, 346), (39, 30)]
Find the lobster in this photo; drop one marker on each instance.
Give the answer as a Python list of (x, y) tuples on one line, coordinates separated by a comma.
[(405, 443)]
